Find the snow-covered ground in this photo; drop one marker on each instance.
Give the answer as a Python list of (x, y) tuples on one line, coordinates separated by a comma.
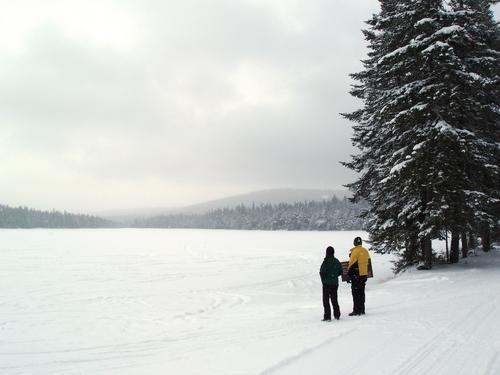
[(149, 302)]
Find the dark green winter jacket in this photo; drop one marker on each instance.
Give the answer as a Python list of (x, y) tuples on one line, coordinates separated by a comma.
[(330, 271)]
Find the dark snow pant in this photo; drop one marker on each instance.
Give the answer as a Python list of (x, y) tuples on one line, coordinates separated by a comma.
[(330, 293), (358, 294)]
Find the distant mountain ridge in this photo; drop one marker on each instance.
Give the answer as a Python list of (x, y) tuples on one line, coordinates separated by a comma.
[(277, 209), (270, 196), (329, 214)]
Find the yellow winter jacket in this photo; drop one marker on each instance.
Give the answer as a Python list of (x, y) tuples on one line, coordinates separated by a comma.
[(360, 255)]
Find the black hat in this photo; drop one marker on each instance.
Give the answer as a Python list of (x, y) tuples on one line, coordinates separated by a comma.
[(357, 241), (330, 251)]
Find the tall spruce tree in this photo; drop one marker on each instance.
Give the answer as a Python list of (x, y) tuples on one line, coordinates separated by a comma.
[(428, 131)]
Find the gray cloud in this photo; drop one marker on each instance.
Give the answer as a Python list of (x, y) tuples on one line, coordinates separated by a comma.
[(167, 103)]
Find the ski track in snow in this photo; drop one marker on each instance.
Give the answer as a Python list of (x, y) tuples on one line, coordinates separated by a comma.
[(290, 360), (184, 302), (460, 332)]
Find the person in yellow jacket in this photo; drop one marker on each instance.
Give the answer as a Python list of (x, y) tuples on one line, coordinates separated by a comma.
[(358, 273)]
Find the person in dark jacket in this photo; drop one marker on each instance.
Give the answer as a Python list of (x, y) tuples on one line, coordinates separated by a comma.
[(330, 271)]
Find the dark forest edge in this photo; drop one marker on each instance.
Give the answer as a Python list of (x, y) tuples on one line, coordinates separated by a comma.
[(333, 214), (24, 217)]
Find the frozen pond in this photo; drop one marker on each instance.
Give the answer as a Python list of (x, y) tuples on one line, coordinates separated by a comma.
[(128, 301), (155, 302)]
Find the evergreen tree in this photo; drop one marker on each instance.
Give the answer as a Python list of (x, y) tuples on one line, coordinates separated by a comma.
[(429, 126)]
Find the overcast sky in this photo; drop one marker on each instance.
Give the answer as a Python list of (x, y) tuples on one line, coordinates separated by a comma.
[(121, 104)]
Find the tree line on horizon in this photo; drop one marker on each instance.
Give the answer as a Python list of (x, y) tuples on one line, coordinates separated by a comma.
[(333, 214), (24, 217), (429, 129)]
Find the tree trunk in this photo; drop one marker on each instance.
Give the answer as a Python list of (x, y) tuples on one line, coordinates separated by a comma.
[(465, 245), (447, 249), (454, 246), (472, 240), (427, 252), (426, 244), (411, 249), (486, 238)]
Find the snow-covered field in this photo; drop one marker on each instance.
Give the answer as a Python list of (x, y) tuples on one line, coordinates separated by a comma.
[(149, 302)]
